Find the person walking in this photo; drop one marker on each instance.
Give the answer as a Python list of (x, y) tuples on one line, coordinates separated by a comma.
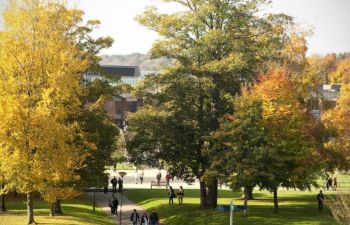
[(134, 217), (153, 218), (144, 219), (320, 199), (335, 184), (329, 183), (114, 167), (136, 176), (114, 182), (159, 176), (141, 176), (167, 178), (171, 195), (180, 195), (113, 204), (120, 185)]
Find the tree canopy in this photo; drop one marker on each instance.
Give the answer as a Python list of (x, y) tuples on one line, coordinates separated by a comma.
[(217, 45)]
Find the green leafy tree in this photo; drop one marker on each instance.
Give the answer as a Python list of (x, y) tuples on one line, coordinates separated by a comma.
[(100, 130), (242, 142), (217, 45)]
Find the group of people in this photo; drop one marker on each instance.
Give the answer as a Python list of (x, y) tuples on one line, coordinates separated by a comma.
[(117, 182), (171, 195), (152, 219), (139, 176), (330, 183), (168, 177)]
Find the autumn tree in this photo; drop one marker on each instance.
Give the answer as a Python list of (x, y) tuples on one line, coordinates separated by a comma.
[(336, 120), (291, 157), (242, 141), (268, 141), (341, 74), (40, 86), (217, 45)]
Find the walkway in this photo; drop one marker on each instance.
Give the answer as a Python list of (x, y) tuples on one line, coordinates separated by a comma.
[(127, 207)]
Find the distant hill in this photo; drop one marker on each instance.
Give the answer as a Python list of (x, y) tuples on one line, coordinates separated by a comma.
[(136, 59)]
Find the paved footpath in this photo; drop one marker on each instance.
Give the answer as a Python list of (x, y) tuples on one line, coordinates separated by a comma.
[(102, 201)]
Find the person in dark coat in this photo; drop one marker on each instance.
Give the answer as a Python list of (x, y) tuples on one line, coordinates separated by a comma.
[(114, 182), (113, 204), (120, 183), (144, 219), (171, 195), (329, 183), (320, 199), (134, 217), (153, 218), (159, 176)]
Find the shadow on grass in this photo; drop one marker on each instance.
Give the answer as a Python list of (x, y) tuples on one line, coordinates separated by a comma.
[(296, 208), (76, 210), (191, 214)]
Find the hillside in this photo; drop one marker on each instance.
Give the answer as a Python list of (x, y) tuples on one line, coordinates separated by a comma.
[(136, 59)]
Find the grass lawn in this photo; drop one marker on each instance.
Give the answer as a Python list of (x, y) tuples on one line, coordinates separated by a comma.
[(76, 212), (296, 208)]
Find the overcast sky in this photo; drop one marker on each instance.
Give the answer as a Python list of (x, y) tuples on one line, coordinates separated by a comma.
[(329, 18)]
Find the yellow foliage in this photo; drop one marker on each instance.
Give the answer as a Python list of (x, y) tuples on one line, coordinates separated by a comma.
[(39, 88), (52, 194), (337, 119), (341, 75)]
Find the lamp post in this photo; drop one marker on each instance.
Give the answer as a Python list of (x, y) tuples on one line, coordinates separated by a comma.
[(122, 174)]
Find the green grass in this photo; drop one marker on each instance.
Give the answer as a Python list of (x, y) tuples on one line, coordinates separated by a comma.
[(76, 212), (296, 208)]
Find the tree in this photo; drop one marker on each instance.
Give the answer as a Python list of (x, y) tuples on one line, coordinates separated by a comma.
[(341, 74), (217, 45), (339, 206), (40, 86), (100, 130), (2, 195), (336, 121), (242, 139), (290, 144)]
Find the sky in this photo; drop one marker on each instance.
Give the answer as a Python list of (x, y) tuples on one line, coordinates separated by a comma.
[(329, 20)]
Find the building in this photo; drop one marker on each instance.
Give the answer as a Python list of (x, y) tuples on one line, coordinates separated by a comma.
[(128, 74), (324, 99), (118, 106)]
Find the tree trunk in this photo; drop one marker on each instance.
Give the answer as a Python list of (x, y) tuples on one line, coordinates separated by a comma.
[(30, 208), (52, 209), (208, 198), (57, 207), (245, 196), (2, 202), (94, 202), (212, 197), (203, 194), (248, 192), (275, 200)]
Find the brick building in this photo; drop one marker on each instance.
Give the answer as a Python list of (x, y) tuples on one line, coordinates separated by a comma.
[(119, 105)]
